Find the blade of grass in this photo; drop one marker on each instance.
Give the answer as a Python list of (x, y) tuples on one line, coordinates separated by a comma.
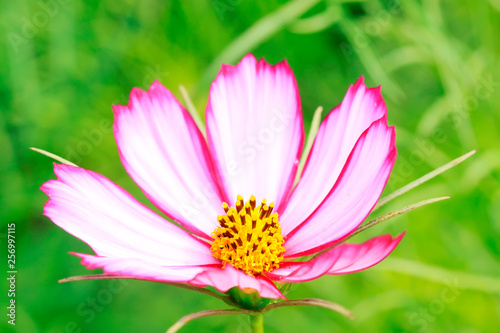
[(192, 110), (370, 61), (311, 302), (316, 121), (376, 305), (422, 179), (53, 156), (393, 214), (318, 22), (377, 221), (117, 277), (184, 320), (462, 280), (260, 31)]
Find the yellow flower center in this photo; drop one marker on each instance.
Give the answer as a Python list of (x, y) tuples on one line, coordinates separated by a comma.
[(249, 237)]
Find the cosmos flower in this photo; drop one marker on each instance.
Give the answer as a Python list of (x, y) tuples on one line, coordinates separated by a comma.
[(242, 221)]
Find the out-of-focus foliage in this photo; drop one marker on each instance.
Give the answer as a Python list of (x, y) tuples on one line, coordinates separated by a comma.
[(63, 63)]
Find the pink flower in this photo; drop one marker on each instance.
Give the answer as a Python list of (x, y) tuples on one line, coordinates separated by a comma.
[(255, 136)]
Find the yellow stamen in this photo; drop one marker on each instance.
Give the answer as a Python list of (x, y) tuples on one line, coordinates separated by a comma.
[(249, 237)]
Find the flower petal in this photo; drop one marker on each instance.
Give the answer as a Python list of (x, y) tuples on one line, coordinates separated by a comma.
[(353, 196), (343, 259), (334, 141), (107, 218), (255, 129), (229, 277), (164, 152), (200, 276), (139, 268)]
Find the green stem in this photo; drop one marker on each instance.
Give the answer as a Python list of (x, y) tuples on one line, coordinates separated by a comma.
[(257, 323)]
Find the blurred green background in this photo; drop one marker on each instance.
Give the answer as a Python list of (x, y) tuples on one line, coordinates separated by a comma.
[(63, 63)]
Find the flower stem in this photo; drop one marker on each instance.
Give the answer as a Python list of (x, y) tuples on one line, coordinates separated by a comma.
[(257, 323)]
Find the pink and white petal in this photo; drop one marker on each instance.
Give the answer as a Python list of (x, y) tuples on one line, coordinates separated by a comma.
[(200, 276), (229, 277), (255, 130), (103, 215), (343, 259), (335, 139), (353, 196), (164, 152), (140, 269)]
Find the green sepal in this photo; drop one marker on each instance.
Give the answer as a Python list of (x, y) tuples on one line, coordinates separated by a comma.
[(248, 301)]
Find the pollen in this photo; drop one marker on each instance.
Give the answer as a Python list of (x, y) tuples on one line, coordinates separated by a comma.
[(249, 237)]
